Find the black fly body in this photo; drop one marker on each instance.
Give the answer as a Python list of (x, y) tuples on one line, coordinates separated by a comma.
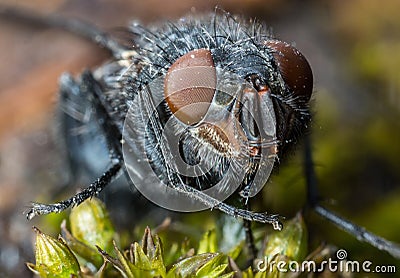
[(234, 46)]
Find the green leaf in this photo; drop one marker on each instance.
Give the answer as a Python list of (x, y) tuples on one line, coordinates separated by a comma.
[(248, 273), (208, 244), (53, 257), (189, 266), (212, 268), (236, 250), (215, 272)]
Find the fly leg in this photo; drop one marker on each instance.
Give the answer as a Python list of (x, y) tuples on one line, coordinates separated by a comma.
[(355, 230), (249, 237), (92, 190), (244, 196), (176, 182), (92, 90)]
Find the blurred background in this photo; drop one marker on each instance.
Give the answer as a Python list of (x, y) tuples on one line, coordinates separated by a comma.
[(353, 48)]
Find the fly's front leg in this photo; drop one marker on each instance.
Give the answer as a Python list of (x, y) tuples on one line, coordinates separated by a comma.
[(88, 92), (176, 182), (92, 190)]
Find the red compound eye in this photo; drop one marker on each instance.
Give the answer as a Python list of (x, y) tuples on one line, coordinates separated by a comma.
[(294, 68), (189, 85)]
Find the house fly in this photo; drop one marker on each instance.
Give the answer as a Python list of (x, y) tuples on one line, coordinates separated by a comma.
[(192, 111)]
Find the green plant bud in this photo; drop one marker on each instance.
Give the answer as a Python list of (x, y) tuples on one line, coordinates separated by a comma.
[(144, 260), (89, 253), (53, 257), (291, 242), (91, 224)]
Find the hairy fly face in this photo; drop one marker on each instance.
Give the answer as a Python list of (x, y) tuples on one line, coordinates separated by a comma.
[(223, 100)]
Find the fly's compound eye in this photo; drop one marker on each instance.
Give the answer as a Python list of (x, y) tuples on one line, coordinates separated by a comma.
[(189, 86), (294, 68)]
